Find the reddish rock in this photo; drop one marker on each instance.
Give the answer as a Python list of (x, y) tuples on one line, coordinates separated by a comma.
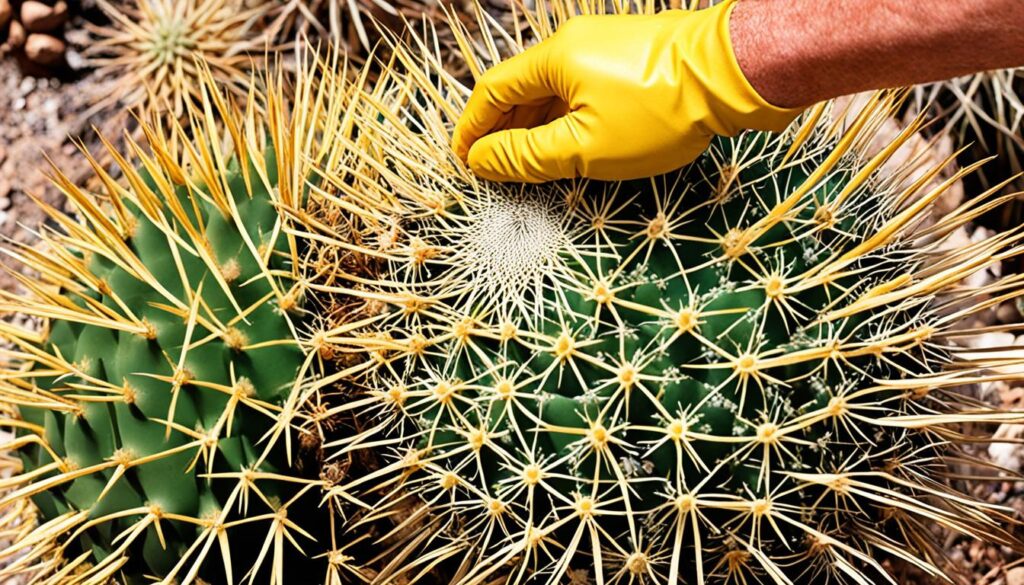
[(38, 17), (44, 49), (1008, 313), (15, 35), (5, 12)]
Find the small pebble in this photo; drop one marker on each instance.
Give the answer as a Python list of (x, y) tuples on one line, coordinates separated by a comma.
[(27, 85), (1008, 313), (44, 49), (78, 37), (16, 35), (75, 60), (38, 17), (5, 12)]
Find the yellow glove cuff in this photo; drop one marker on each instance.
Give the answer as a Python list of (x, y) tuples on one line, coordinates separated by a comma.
[(736, 105)]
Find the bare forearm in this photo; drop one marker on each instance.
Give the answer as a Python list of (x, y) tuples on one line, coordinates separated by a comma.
[(798, 52)]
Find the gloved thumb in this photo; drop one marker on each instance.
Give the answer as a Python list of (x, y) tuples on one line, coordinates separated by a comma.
[(531, 155)]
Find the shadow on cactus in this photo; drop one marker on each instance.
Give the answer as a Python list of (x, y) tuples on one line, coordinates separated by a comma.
[(172, 405), (745, 371)]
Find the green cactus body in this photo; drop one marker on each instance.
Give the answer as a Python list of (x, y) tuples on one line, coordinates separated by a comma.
[(730, 373), (174, 410), (654, 354), (151, 372), (162, 414)]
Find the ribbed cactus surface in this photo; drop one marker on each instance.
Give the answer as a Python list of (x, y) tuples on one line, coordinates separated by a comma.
[(739, 371), (748, 370), (167, 411), (624, 335), (168, 361)]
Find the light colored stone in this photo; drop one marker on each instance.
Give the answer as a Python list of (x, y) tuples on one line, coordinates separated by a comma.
[(1007, 455), (75, 60), (1015, 576), (999, 348), (5, 12), (992, 339), (39, 17), (993, 390), (44, 49), (986, 275), (1008, 313), (27, 86), (15, 35)]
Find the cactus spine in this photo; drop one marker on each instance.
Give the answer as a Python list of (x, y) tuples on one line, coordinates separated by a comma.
[(743, 371)]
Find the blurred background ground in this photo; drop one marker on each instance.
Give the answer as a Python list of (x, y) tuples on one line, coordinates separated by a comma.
[(43, 112)]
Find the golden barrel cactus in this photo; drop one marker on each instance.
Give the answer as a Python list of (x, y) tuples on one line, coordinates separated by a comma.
[(169, 398), (744, 371)]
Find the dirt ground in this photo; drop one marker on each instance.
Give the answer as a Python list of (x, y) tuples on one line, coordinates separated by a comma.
[(42, 119)]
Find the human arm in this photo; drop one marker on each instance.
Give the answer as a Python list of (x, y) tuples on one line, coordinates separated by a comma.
[(799, 52), (618, 97)]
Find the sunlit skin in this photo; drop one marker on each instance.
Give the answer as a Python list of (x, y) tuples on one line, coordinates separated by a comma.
[(798, 52)]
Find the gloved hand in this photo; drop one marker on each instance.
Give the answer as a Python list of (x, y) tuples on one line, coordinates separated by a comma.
[(612, 97)]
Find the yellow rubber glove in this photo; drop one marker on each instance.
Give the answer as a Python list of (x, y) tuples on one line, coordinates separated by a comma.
[(612, 97)]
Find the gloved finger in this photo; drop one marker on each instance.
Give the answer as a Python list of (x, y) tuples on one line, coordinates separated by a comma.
[(530, 155), (519, 81), (533, 115), (524, 117)]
